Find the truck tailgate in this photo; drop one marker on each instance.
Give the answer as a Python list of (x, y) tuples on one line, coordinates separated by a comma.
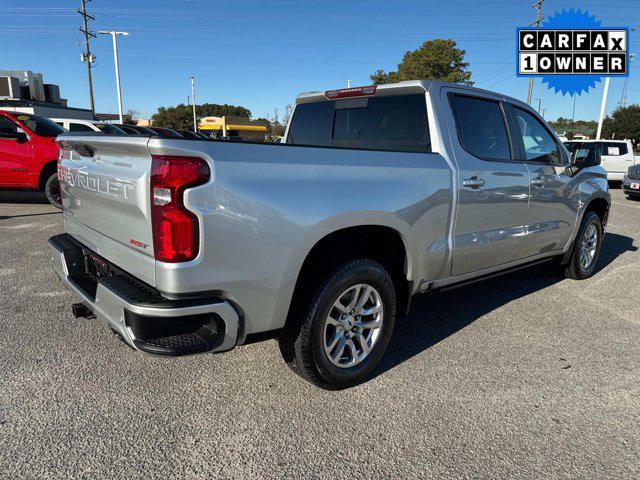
[(105, 194)]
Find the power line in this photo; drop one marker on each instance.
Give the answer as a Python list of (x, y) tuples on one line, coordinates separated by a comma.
[(87, 56)]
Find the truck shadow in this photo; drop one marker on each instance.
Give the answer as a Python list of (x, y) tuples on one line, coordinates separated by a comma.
[(434, 317), (22, 196)]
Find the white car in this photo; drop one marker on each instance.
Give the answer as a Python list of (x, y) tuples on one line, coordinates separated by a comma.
[(76, 125), (617, 155)]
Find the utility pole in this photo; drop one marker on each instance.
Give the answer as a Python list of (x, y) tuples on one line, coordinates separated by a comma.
[(193, 102), (625, 87), (573, 116), (87, 56), (114, 36), (539, 18)]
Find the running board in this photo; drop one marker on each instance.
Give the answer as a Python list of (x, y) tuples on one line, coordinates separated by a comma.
[(488, 276)]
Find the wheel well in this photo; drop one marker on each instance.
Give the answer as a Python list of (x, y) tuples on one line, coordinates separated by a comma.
[(47, 170), (601, 208), (382, 244)]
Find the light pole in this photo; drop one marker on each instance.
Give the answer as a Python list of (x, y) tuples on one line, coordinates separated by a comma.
[(114, 35), (539, 104), (603, 107), (193, 102)]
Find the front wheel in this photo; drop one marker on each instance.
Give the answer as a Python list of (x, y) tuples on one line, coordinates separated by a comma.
[(52, 191), (586, 248), (346, 328)]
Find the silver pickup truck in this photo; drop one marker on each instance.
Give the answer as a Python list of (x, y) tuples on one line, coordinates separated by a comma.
[(379, 193)]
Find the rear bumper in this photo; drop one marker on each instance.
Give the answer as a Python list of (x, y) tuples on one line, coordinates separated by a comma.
[(143, 318), (626, 186), (615, 176)]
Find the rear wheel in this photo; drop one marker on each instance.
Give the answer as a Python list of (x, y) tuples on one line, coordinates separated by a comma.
[(52, 191), (346, 326), (586, 248)]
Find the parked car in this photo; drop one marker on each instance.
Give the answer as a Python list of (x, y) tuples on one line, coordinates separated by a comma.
[(189, 135), (379, 193), (74, 125), (28, 154), (166, 132), (617, 155), (631, 182), (203, 136), (136, 130)]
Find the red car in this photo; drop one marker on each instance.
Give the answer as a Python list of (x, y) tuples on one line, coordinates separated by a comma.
[(29, 154)]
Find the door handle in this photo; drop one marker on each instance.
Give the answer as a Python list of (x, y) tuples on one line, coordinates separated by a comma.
[(537, 182), (473, 182)]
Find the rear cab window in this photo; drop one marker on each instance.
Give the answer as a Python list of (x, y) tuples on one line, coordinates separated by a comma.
[(395, 123)]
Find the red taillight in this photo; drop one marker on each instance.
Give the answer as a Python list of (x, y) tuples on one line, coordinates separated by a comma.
[(175, 229), (351, 92)]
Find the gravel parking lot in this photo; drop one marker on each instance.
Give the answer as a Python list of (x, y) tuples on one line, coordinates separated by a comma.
[(523, 376)]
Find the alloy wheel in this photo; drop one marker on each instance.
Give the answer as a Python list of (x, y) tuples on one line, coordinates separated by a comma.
[(588, 246), (353, 325)]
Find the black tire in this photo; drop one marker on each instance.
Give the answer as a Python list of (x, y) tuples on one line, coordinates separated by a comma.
[(52, 191), (302, 342), (574, 268)]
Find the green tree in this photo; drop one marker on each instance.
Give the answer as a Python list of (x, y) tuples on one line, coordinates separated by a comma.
[(624, 123), (438, 59), (181, 116), (567, 126)]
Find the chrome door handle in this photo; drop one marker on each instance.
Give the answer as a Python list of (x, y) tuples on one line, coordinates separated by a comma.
[(537, 182), (473, 182)]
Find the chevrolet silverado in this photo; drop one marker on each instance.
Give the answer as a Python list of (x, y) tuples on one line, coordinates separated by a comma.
[(377, 193)]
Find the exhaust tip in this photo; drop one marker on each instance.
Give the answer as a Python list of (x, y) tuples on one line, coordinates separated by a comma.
[(80, 310)]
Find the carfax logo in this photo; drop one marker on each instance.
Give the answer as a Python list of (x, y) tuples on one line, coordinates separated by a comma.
[(572, 51)]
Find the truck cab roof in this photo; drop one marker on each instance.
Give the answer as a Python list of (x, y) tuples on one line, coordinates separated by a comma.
[(400, 88)]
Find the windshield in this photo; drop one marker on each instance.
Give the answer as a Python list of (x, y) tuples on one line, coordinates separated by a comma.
[(42, 127), (109, 129)]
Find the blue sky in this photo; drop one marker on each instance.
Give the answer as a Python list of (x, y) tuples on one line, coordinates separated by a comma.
[(261, 53)]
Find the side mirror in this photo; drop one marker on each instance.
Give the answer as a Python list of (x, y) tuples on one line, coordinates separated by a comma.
[(586, 156)]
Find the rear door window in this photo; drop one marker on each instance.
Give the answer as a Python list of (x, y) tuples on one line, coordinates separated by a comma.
[(393, 123), (615, 149), (481, 127), (79, 127)]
